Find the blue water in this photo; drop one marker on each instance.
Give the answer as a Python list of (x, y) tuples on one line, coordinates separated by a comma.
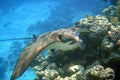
[(22, 18)]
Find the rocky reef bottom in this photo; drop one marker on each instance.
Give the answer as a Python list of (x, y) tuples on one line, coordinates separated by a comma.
[(97, 59), (71, 69)]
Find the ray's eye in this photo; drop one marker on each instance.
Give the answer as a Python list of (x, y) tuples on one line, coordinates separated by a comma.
[(65, 38), (60, 37)]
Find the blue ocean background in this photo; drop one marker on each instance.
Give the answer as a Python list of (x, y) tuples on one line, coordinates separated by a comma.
[(23, 18)]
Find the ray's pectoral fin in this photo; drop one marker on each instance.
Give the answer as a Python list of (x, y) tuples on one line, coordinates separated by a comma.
[(51, 40), (25, 59)]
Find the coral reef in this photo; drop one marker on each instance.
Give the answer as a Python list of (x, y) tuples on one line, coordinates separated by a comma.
[(113, 13), (72, 71), (99, 73), (110, 11), (118, 9), (97, 59)]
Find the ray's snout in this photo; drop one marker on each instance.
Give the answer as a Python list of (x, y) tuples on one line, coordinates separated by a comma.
[(77, 37)]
